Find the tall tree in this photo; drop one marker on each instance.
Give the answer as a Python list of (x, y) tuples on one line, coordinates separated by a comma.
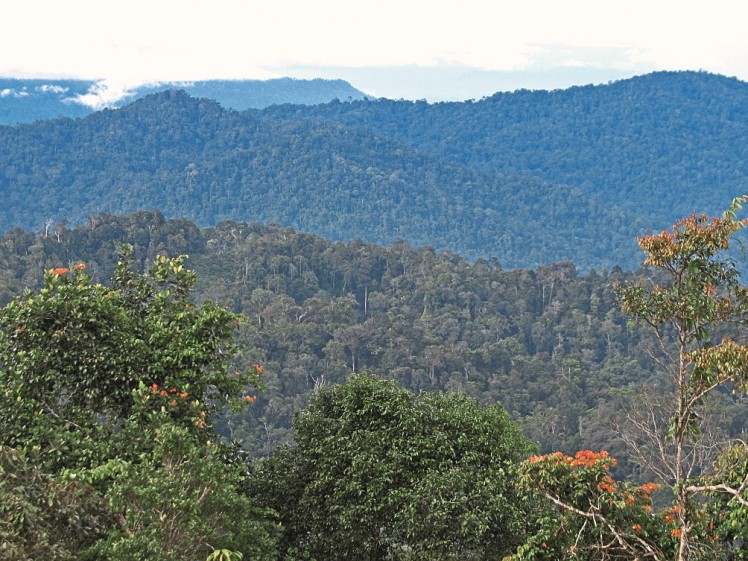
[(379, 473), (693, 302), (697, 308)]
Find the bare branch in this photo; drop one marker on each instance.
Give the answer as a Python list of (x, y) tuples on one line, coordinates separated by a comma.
[(618, 537)]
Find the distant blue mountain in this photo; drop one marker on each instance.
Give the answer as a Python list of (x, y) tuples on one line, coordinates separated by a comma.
[(26, 101)]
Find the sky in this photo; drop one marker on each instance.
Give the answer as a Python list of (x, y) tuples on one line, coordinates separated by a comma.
[(412, 49)]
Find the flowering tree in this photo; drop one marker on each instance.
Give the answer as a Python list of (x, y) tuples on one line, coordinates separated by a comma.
[(697, 310), (591, 516), (115, 388), (697, 313)]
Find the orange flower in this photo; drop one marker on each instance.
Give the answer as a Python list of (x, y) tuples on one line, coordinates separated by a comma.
[(164, 393), (250, 398), (676, 532), (259, 368), (79, 266), (607, 484), (172, 403), (636, 527), (184, 395), (60, 271), (154, 388), (588, 458)]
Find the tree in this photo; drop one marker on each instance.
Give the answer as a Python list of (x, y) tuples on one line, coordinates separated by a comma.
[(116, 388), (380, 473), (73, 354), (44, 516), (695, 306), (588, 514), (181, 502)]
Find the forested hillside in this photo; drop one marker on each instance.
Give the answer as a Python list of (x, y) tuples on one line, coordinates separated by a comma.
[(189, 157), (660, 146), (527, 177), (547, 343), (458, 390), (372, 399)]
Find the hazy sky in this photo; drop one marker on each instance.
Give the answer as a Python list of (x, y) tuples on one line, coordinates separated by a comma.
[(394, 48)]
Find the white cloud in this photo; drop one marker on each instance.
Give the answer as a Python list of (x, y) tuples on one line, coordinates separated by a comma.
[(103, 94), (7, 92), (53, 88)]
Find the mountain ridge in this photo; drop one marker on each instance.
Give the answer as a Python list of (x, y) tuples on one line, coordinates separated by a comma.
[(528, 177), (29, 100)]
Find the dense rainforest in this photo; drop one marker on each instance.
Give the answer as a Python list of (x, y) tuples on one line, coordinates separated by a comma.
[(378, 329), (527, 177), (549, 344), (316, 400), (189, 157)]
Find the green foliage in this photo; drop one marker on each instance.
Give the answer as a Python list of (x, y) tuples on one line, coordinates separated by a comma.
[(695, 305), (549, 344), (727, 513), (379, 473), (74, 353), (588, 514), (44, 516), (225, 555), (180, 501), (114, 391)]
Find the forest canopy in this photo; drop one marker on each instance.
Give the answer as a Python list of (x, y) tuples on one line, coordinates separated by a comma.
[(134, 398)]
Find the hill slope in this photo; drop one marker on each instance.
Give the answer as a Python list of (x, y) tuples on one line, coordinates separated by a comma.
[(661, 145), (527, 177), (548, 343), (189, 157)]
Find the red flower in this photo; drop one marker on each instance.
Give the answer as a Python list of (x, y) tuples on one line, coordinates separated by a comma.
[(60, 271)]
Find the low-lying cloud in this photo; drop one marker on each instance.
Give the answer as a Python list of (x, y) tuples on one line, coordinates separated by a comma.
[(9, 92), (51, 88), (103, 94)]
